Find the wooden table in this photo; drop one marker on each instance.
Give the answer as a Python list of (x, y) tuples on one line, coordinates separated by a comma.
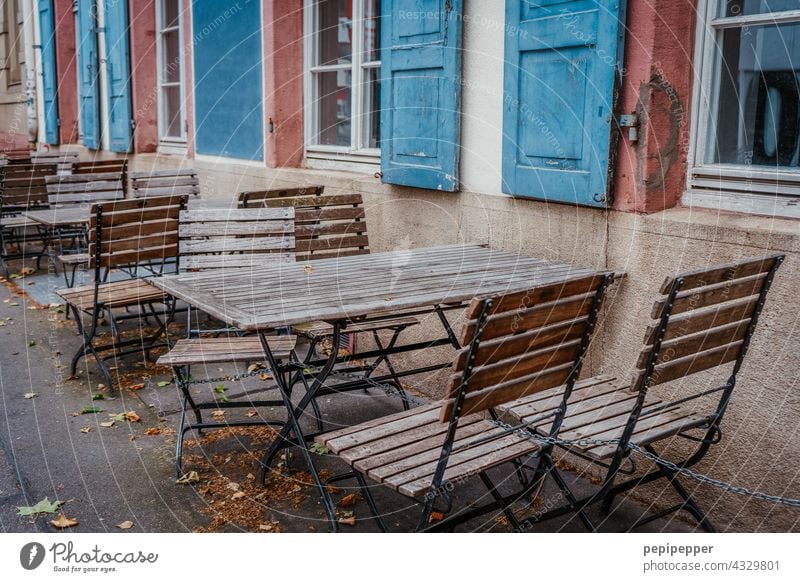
[(59, 217), (344, 290)]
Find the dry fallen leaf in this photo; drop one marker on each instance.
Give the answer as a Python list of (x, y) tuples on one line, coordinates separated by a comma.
[(190, 477), (26, 271), (85, 429), (136, 386), (218, 414), (348, 520), (251, 477), (308, 269), (251, 413), (237, 495), (125, 525), (348, 500), (62, 521), (132, 416), (253, 367), (233, 486), (264, 376), (108, 424), (152, 431), (29, 395), (436, 516)]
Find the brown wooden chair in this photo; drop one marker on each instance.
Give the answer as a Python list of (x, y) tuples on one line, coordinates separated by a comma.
[(165, 183), (63, 160), (518, 344), (103, 167), (256, 198), (703, 321), (331, 226), (211, 239), (123, 234), (22, 187)]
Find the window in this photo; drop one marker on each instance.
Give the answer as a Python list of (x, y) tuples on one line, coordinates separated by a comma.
[(13, 44), (747, 108), (171, 117), (343, 77)]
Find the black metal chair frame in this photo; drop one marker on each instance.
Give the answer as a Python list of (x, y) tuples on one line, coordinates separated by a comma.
[(664, 468)]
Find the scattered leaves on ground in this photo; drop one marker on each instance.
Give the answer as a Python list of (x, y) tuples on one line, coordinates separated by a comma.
[(107, 424), (218, 414), (264, 376), (31, 343), (29, 395), (136, 386), (348, 520), (98, 396), (318, 449), (348, 500), (164, 383), (251, 413), (125, 525), (436, 516), (131, 416), (188, 478), (44, 506), (152, 431), (254, 366), (91, 410), (63, 522), (86, 429)]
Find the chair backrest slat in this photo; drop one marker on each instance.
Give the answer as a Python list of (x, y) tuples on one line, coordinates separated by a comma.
[(134, 231), (165, 183), (253, 198), (524, 342), (86, 188), (708, 319), (216, 238), (25, 185), (326, 226), (101, 167)]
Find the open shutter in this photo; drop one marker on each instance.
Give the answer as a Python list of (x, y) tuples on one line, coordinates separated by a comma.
[(421, 93), (119, 75), (561, 74), (49, 79), (87, 74)]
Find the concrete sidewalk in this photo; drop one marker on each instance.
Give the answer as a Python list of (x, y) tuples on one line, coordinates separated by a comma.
[(107, 475)]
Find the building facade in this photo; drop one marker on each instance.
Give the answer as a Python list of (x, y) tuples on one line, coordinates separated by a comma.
[(650, 137)]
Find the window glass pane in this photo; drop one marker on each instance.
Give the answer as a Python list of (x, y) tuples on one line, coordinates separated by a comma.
[(372, 30), (371, 121), (172, 111), (172, 57), (170, 13), (758, 107), (333, 104), (335, 26), (749, 7)]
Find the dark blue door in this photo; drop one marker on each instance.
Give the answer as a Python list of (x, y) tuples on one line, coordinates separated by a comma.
[(421, 93), (49, 78), (228, 79), (119, 75), (87, 73), (563, 60)]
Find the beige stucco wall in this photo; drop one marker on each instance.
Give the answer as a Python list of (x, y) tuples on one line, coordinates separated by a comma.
[(761, 445)]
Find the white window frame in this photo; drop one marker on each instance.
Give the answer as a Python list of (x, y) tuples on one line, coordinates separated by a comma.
[(356, 153), (734, 187), (163, 139)]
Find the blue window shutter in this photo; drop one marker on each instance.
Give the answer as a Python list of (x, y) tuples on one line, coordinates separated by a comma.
[(561, 74), (49, 75), (421, 93), (119, 75), (87, 73), (228, 77)]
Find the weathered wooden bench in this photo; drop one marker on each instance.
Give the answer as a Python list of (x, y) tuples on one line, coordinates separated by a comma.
[(212, 239), (123, 234), (702, 322), (518, 344), (183, 182)]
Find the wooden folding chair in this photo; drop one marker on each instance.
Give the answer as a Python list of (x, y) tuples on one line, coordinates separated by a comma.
[(122, 235), (63, 160), (333, 226), (256, 198), (103, 167), (211, 239), (516, 344), (22, 187), (703, 321), (165, 183)]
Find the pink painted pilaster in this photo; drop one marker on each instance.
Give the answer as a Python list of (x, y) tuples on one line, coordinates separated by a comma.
[(283, 82), (66, 71), (144, 90), (188, 77), (651, 174)]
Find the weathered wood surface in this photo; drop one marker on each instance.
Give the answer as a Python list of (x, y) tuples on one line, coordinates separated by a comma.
[(352, 287), (226, 349), (60, 216)]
